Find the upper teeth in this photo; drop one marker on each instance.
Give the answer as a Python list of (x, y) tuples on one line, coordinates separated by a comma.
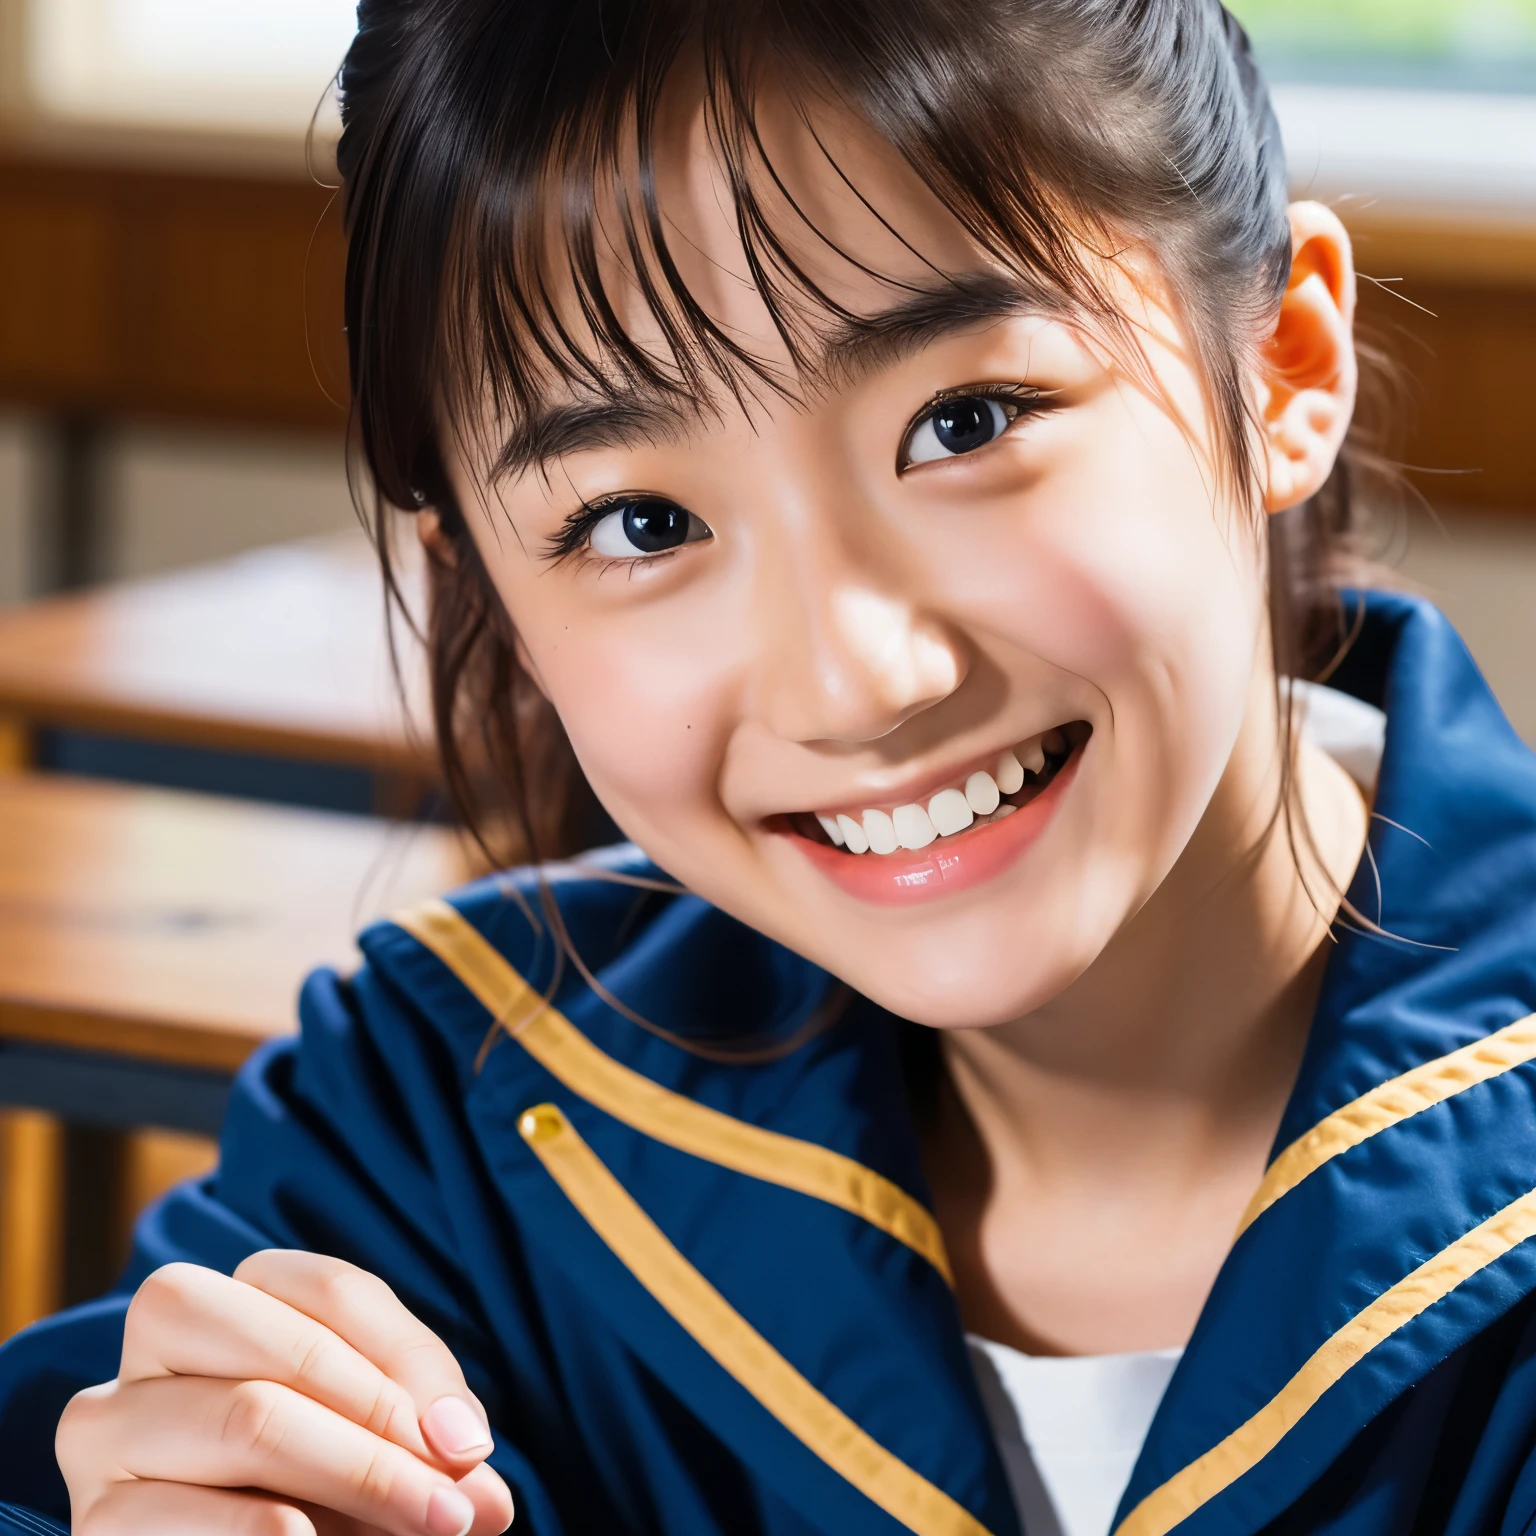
[(948, 812)]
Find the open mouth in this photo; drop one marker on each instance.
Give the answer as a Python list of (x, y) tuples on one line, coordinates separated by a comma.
[(966, 832), (984, 796)]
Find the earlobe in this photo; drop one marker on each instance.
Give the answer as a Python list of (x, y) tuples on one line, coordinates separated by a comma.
[(1308, 374), (439, 548), (429, 530)]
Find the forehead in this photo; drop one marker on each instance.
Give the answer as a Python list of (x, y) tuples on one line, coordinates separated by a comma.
[(797, 214), (731, 260), (815, 214), (780, 256), (569, 421)]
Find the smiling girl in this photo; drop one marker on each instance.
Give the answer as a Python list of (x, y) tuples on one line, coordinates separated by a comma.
[(1040, 1064)]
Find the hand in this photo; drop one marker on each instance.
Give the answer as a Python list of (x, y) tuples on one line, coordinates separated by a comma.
[(299, 1398)]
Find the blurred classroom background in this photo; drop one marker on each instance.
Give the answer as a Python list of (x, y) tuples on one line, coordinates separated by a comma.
[(206, 782)]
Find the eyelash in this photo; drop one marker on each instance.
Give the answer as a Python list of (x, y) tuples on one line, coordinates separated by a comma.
[(571, 539), (1024, 398)]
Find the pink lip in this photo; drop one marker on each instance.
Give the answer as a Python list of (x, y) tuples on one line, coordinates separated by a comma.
[(949, 865)]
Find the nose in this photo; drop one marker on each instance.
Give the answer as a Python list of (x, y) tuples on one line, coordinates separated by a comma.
[(849, 662)]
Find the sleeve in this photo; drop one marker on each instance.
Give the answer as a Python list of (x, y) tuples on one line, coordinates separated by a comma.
[(341, 1142)]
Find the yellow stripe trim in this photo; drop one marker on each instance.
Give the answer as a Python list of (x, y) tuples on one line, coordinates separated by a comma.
[(1246, 1446), (1392, 1101), (557, 1045), (734, 1343)]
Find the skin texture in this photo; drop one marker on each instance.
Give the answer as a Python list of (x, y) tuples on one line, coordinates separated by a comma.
[(302, 1376), (1123, 1007)]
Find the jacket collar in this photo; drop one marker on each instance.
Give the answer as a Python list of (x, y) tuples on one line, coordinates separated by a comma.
[(1394, 1232), (1393, 1219), (758, 1234)]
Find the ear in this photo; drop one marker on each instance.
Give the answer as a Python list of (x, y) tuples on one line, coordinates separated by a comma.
[(439, 547), (429, 529), (1307, 369)]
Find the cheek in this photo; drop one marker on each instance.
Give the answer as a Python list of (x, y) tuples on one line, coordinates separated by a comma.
[(1123, 574), (1175, 599), (1137, 567), (644, 713)]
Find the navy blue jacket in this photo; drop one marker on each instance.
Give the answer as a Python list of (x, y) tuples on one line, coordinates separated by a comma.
[(702, 1297)]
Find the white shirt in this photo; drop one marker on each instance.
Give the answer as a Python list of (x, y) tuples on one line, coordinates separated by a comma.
[(1352, 733), (1070, 1428)]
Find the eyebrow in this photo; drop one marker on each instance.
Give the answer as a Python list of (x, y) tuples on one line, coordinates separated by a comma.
[(855, 348), (851, 348), (578, 426)]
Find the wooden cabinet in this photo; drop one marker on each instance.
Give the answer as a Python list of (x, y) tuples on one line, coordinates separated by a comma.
[(196, 295), (172, 295)]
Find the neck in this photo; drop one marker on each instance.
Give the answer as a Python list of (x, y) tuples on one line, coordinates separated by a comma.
[(1148, 1094)]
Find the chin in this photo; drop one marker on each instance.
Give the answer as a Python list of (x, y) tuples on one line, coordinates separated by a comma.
[(969, 975)]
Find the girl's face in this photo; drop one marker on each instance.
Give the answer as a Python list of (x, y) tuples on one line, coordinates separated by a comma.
[(972, 600)]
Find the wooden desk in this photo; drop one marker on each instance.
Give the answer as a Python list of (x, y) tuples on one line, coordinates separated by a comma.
[(174, 930), (149, 941), (281, 652)]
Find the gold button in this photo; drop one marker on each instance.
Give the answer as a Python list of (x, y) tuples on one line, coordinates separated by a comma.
[(542, 1123)]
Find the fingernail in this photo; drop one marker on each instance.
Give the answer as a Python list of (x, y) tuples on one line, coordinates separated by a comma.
[(455, 1429), (449, 1513)]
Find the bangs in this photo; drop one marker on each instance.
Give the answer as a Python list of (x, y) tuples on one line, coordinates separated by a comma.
[(567, 222), (507, 187)]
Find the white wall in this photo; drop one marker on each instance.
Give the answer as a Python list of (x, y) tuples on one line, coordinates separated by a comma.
[(252, 64), (173, 498), (178, 498)]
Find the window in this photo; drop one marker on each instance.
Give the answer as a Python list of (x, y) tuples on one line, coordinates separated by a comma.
[(1405, 107), (1485, 45), (1411, 105), (247, 64)]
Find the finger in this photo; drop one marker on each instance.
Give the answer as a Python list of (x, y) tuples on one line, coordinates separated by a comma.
[(186, 1320), (257, 1434), (455, 1431), (177, 1509), (362, 1309), (492, 1500)]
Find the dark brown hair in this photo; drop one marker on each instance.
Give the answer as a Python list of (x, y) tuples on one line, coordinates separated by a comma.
[(475, 130)]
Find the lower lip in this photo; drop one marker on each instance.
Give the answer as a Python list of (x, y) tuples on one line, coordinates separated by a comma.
[(948, 865)]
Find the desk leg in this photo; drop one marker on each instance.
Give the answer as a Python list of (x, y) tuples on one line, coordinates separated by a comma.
[(110, 1176), (31, 1164), (157, 1160), (63, 1214), (15, 745), (31, 1212), (73, 523), (95, 1217)]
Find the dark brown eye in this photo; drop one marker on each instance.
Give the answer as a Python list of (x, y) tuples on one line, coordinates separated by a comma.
[(956, 426), (647, 525)]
